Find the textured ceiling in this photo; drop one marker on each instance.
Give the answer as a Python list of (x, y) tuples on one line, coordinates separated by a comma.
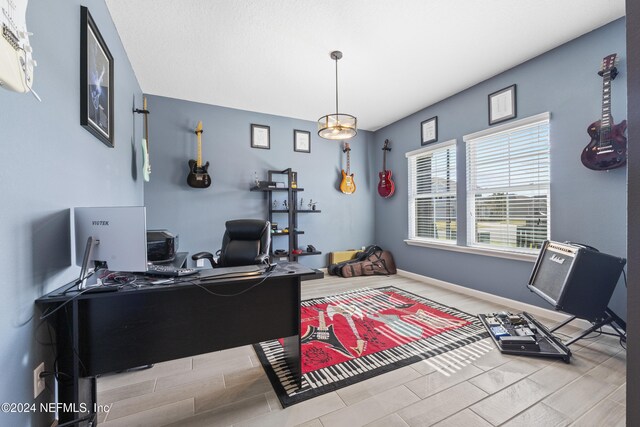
[(272, 56)]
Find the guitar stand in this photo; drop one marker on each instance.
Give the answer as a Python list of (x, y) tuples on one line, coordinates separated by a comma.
[(610, 319)]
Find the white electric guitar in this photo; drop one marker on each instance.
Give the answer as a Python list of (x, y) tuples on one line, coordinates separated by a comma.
[(16, 63)]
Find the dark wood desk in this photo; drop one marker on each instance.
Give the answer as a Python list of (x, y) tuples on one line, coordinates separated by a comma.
[(98, 333)]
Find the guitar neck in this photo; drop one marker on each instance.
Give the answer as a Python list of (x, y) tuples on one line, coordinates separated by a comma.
[(199, 133), (146, 123), (384, 160), (606, 100), (605, 121), (385, 148), (199, 161), (322, 325)]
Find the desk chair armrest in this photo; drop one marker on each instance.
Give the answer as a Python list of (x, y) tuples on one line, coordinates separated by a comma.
[(205, 255), (262, 259)]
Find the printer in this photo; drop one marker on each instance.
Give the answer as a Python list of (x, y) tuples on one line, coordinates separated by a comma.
[(161, 246)]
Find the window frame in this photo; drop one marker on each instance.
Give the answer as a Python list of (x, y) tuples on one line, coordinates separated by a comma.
[(471, 193), (413, 196)]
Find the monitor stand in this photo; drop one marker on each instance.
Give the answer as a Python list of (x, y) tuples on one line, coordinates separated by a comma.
[(88, 278)]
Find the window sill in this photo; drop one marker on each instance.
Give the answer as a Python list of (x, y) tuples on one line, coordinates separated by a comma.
[(471, 250)]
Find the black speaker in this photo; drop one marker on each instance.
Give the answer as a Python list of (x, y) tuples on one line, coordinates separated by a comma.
[(576, 279)]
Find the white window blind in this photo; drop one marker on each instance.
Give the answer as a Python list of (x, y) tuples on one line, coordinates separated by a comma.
[(432, 193), (508, 185)]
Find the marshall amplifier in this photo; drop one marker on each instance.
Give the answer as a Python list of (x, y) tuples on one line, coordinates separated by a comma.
[(576, 279)]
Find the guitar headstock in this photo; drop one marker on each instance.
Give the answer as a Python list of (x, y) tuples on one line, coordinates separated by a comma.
[(386, 145), (199, 127), (609, 63), (346, 148)]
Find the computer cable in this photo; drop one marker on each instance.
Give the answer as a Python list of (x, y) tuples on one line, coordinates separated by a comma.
[(265, 277), (48, 312)]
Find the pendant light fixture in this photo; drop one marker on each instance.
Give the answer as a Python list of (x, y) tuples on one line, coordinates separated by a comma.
[(337, 125)]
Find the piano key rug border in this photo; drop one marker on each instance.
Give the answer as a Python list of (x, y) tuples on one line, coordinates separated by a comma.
[(398, 328)]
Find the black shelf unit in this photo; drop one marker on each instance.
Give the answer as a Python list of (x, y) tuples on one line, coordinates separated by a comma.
[(292, 213)]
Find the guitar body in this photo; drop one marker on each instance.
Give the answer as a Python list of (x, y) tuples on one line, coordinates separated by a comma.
[(611, 155), (198, 176), (16, 63), (386, 186), (146, 166), (327, 336), (347, 185)]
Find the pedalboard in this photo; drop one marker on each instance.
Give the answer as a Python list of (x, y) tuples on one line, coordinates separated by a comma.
[(522, 334)]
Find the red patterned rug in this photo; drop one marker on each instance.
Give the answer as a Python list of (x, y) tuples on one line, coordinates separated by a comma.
[(356, 335)]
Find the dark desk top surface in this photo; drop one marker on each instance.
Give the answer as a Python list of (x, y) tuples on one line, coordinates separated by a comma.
[(144, 283)]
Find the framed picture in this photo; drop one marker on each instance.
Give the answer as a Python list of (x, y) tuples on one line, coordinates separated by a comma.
[(260, 136), (301, 141), (96, 81), (502, 105), (429, 130)]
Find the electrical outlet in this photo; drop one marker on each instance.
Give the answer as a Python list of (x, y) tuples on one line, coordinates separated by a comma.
[(38, 383), (199, 263)]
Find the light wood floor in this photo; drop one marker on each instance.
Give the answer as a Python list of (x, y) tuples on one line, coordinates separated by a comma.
[(230, 387)]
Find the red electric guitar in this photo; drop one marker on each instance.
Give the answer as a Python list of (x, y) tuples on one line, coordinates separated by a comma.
[(608, 146), (386, 187)]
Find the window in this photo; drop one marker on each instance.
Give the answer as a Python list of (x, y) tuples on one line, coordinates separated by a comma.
[(508, 185), (432, 193)]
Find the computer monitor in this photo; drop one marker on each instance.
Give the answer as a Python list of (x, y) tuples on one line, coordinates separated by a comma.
[(110, 237)]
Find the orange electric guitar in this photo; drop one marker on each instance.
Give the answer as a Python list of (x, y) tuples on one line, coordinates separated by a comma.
[(347, 186)]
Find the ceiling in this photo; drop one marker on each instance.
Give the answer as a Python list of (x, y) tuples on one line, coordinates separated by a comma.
[(272, 56)]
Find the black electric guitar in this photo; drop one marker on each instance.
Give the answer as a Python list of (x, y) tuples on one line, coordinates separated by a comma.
[(198, 175), (608, 146), (324, 334)]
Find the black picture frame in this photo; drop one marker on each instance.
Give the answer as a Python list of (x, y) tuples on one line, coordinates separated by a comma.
[(260, 136), (429, 130), (301, 141), (502, 105), (96, 81)]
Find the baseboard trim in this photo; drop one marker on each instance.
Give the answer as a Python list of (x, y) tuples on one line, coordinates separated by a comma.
[(522, 306)]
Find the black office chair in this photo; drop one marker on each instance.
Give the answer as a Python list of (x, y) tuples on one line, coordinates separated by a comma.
[(245, 242)]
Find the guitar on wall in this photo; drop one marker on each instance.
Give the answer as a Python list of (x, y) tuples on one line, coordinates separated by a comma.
[(146, 166), (16, 63), (198, 175), (347, 186), (608, 146), (386, 186)]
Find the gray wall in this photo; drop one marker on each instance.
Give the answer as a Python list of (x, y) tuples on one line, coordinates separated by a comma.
[(49, 164), (198, 215), (586, 206)]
